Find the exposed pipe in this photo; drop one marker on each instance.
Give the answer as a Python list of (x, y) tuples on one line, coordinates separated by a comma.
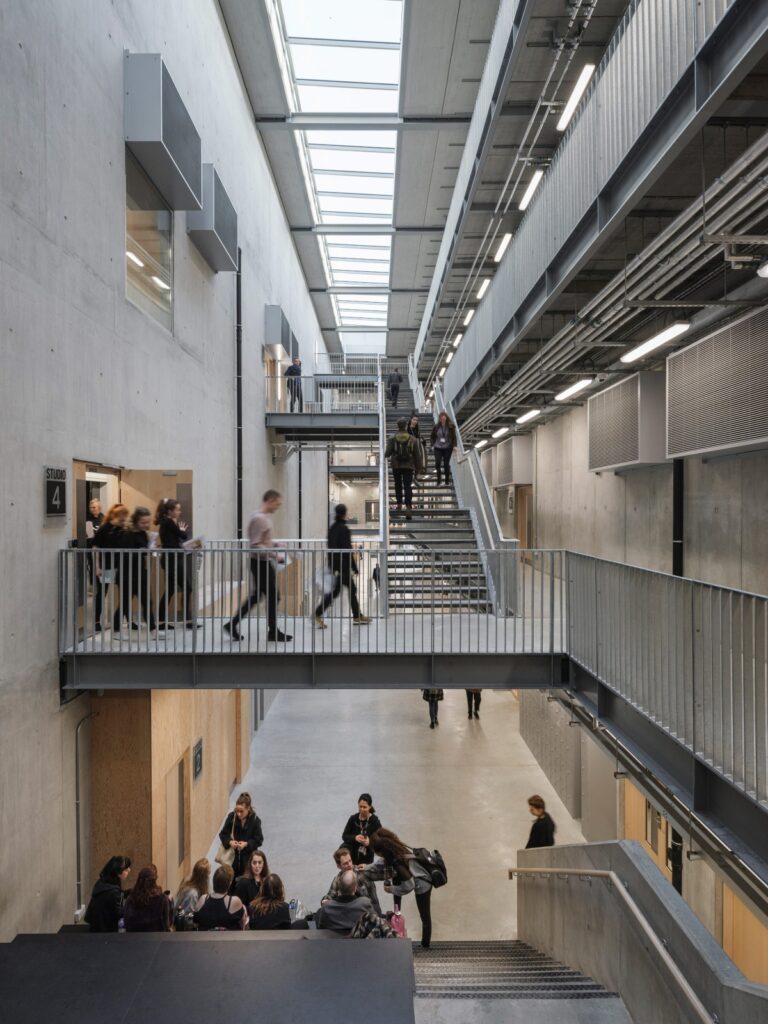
[(678, 515), (239, 392), (78, 844)]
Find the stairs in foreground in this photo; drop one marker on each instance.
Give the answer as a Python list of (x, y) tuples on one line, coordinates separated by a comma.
[(503, 970)]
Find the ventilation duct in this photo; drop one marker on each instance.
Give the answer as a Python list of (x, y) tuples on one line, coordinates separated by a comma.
[(214, 228), (626, 423), (160, 133), (717, 391), (514, 461)]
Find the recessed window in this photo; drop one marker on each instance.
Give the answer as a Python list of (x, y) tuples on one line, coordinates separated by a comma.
[(148, 245)]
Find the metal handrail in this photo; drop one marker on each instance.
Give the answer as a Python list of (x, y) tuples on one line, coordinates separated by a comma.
[(682, 983), (333, 393), (383, 495)]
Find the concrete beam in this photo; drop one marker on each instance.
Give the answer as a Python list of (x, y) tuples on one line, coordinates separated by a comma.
[(359, 122)]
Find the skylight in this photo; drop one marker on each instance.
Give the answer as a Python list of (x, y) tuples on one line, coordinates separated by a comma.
[(344, 57)]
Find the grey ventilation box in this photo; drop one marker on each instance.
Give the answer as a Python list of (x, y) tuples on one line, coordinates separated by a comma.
[(717, 391), (160, 133), (277, 333), (514, 461), (214, 228), (625, 424)]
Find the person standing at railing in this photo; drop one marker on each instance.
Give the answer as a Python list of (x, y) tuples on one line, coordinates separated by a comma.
[(443, 441), (394, 380), (342, 561), (293, 373), (264, 555), (403, 451)]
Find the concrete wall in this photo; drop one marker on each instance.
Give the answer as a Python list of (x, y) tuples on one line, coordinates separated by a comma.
[(554, 744), (599, 791), (629, 517), (87, 375)]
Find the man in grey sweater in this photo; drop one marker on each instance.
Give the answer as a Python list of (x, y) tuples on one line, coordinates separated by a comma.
[(342, 913)]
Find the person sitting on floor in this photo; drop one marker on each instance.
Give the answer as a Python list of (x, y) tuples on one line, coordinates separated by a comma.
[(218, 911), (365, 887), (342, 913)]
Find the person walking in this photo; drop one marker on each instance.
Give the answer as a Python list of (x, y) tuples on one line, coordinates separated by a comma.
[(403, 454), (178, 575), (401, 871), (93, 521), (242, 833), (432, 697), (359, 829), (473, 703), (413, 428), (264, 555), (107, 562), (543, 829), (443, 441), (293, 373), (135, 576), (394, 380), (343, 566)]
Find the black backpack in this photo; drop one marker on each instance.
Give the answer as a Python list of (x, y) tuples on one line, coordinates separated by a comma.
[(434, 864), (402, 449)]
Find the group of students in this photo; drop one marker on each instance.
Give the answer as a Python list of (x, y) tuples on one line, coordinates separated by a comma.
[(245, 894), (405, 451), (129, 573)]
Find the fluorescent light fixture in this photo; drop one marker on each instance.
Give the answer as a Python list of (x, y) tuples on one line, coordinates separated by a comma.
[(468, 317), (532, 186), (482, 444), (573, 101), (500, 432), (457, 339), (448, 358), (503, 246), (574, 389), (160, 283), (431, 393), (673, 331), (528, 416), (762, 270), (135, 259), (483, 288), (442, 372)]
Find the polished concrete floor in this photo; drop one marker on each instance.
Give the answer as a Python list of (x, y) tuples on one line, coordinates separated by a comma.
[(461, 788)]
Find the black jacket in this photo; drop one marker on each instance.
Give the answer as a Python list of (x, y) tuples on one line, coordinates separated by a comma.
[(110, 536), (278, 918), (340, 539), (246, 890), (542, 833), (171, 535), (249, 831), (105, 907), (356, 827), (451, 435)]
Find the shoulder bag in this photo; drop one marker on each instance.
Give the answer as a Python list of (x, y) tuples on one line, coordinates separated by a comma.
[(226, 855)]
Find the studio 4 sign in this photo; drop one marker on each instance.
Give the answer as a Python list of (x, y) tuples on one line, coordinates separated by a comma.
[(55, 492)]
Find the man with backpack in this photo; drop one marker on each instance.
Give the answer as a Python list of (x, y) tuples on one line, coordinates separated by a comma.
[(404, 454)]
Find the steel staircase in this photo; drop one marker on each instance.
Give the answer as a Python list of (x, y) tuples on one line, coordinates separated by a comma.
[(453, 578)]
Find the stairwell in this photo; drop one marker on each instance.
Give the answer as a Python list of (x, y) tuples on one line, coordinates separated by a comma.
[(452, 577), (533, 987)]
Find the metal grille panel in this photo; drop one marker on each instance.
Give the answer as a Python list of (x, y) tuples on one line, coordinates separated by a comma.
[(614, 416), (717, 391)]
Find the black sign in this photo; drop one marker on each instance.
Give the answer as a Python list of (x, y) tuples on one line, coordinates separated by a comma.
[(197, 759), (55, 491)]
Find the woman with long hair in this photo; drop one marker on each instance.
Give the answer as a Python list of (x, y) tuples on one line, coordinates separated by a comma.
[(443, 441), (105, 907), (148, 908), (219, 911), (172, 537), (193, 888), (402, 873), (359, 829), (256, 870), (111, 534), (135, 570), (269, 910), (242, 833)]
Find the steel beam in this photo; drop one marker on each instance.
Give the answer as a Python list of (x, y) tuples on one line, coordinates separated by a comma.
[(370, 329), (375, 289), (359, 122), (366, 229)]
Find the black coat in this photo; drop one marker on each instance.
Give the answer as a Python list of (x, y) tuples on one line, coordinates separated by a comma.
[(105, 907), (249, 831), (246, 890), (542, 833), (340, 539), (172, 537), (355, 827)]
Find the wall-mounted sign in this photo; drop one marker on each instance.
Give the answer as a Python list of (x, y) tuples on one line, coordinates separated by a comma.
[(55, 492), (197, 759)]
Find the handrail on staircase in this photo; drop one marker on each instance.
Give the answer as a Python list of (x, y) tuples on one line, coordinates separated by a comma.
[(416, 386), (383, 494), (682, 984)]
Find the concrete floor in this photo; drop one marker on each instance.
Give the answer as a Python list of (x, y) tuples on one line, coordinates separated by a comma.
[(461, 788)]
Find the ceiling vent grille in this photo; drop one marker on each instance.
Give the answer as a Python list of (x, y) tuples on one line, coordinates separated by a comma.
[(717, 391), (626, 423)]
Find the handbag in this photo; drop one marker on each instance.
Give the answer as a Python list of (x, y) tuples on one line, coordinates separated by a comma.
[(397, 924), (226, 855)]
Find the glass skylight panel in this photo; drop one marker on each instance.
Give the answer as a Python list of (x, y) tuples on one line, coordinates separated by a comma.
[(379, 187), (336, 254), (377, 140), (327, 99), (340, 217), (370, 20), (330, 160), (345, 264), (350, 204), (348, 64), (356, 241)]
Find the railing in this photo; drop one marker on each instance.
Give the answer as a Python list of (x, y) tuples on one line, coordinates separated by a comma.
[(352, 365), (690, 656), (416, 386), (330, 394), (440, 605), (383, 497)]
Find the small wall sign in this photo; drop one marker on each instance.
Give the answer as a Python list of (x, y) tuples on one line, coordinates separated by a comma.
[(55, 492), (197, 759)]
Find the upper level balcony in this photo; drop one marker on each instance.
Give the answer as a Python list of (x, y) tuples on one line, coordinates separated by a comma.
[(324, 407)]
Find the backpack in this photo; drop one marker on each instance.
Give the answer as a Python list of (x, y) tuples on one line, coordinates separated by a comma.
[(402, 449), (434, 864)]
